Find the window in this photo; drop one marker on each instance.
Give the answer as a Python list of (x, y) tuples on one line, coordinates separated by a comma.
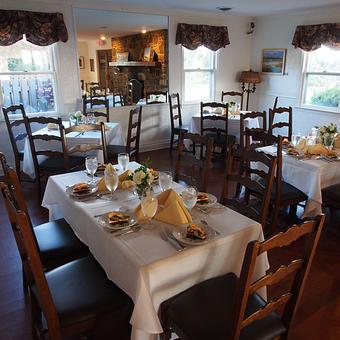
[(27, 76), (199, 74), (321, 79)]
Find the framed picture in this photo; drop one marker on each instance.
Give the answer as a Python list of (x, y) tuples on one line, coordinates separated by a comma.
[(81, 62), (273, 61), (148, 54), (92, 65), (122, 56)]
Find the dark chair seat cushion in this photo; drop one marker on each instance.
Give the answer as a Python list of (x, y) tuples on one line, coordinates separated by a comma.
[(204, 311), (57, 163), (81, 291), (58, 244), (332, 193), (114, 150)]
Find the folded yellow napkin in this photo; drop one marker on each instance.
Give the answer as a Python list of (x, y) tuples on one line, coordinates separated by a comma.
[(121, 185), (171, 209), (317, 149), (337, 141)]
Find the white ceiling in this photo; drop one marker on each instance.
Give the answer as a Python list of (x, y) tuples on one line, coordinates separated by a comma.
[(90, 23)]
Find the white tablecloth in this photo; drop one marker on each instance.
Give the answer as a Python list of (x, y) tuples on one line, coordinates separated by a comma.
[(146, 267), (114, 136), (233, 125), (310, 176)]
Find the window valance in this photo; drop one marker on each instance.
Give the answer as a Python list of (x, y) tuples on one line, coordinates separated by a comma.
[(40, 28), (193, 36), (311, 37)]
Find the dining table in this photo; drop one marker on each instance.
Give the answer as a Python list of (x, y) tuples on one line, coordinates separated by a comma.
[(143, 264), (113, 133), (310, 174)]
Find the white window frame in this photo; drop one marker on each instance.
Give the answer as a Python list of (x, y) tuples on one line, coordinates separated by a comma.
[(213, 78), (53, 74), (304, 76)]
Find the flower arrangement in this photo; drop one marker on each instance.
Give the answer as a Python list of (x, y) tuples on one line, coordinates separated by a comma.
[(327, 133), (143, 178), (77, 117)]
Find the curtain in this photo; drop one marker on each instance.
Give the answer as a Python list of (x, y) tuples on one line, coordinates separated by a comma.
[(193, 36), (311, 37), (40, 28)]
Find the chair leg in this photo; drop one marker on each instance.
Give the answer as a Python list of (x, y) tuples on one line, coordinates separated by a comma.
[(35, 319), (171, 143), (17, 167)]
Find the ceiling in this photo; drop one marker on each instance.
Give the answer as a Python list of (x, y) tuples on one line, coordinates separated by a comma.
[(93, 23)]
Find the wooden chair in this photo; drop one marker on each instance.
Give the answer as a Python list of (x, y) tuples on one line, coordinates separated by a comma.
[(86, 148), (215, 126), (331, 196), (73, 297), (275, 102), (96, 102), (51, 157), (231, 308), (233, 94), (255, 209), (135, 91), (90, 85), (274, 124), (133, 138), (13, 137), (156, 93), (55, 240), (283, 194), (251, 115), (175, 115), (188, 168)]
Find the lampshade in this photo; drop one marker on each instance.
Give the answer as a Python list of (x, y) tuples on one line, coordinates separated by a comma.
[(250, 77)]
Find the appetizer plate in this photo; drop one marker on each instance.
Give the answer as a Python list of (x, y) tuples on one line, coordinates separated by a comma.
[(93, 189), (211, 201), (104, 222), (180, 234)]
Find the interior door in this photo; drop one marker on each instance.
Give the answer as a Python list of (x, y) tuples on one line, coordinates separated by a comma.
[(104, 57)]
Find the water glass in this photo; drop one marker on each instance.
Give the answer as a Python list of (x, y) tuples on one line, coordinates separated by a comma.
[(295, 139), (111, 181), (328, 140), (123, 160), (165, 180), (149, 205), (189, 197), (91, 165)]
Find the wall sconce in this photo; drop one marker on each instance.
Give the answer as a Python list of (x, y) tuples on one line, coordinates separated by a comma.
[(249, 77)]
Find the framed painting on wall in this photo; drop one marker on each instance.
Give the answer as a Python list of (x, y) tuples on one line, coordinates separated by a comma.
[(273, 61), (81, 62)]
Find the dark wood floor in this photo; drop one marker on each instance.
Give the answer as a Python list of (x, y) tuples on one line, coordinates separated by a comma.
[(318, 316)]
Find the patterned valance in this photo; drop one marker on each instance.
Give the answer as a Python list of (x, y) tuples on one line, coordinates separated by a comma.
[(40, 28), (311, 37), (193, 36)]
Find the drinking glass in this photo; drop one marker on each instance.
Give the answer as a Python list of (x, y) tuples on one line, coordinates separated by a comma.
[(149, 204), (295, 139), (328, 141), (91, 165), (90, 118), (123, 160), (111, 181), (189, 197), (165, 180)]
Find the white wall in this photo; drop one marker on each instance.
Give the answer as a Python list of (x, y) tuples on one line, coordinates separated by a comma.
[(277, 31)]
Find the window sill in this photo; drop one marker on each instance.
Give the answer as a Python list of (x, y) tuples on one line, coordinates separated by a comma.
[(317, 109)]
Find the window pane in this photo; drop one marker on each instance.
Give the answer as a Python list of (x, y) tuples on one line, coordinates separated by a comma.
[(35, 92), (25, 57), (323, 90), (201, 58), (324, 60), (197, 86)]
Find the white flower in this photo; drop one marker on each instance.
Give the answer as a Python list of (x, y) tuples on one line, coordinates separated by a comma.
[(150, 178), (78, 114), (331, 128), (323, 129), (138, 177)]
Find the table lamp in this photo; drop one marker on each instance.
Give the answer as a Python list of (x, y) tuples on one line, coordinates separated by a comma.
[(249, 77)]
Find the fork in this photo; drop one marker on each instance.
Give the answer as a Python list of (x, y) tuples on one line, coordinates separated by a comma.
[(207, 225), (166, 237)]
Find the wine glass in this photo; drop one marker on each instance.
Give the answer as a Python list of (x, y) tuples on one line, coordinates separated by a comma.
[(165, 180), (149, 205), (295, 139), (91, 165), (189, 197), (111, 181), (123, 160), (328, 140)]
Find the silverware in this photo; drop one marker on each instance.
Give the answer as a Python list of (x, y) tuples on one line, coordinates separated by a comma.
[(207, 225), (165, 236), (132, 229)]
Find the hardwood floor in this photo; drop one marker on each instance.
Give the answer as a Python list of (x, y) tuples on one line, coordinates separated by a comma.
[(318, 316)]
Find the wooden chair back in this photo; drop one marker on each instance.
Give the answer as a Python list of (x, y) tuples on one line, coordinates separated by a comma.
[(275, 102), (95, 102), (13, 125), (87, 147), (134, 132), (156, 93), (190, 169), (248, 178), (175, 110), (90, 85), (34, 265), (298, 269), (261, 116), (233, 94), (279, 124)]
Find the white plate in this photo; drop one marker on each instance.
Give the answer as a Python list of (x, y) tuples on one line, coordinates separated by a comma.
[(180, 233), (212, 201), (104, 222), (93, 189)]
